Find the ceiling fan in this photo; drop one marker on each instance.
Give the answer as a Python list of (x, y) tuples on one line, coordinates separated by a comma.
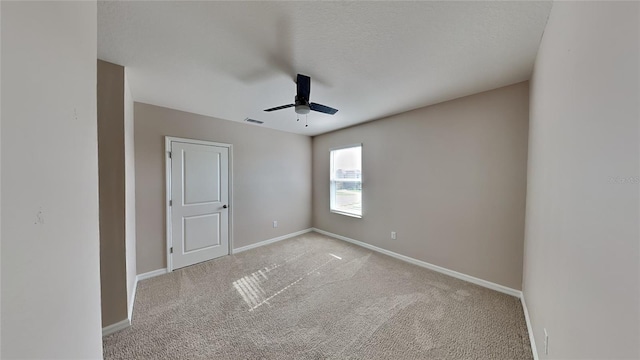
[(302, 104)]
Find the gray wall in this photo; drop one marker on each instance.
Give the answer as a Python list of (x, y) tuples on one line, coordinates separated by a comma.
[(581, 273), (113, 269), (271, 178), (50, 238), (450, 179)]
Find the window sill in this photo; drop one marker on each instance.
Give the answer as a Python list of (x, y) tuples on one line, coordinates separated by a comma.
[(346, 214)]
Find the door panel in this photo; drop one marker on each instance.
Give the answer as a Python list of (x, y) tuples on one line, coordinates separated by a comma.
[(201, 177), (200, 194), (201, 231)]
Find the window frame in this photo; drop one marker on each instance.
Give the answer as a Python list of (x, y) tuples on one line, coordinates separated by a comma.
[(332, 181)]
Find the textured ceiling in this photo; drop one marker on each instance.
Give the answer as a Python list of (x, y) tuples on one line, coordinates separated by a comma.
[(232, 60)]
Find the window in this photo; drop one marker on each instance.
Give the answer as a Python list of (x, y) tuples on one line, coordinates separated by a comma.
[(346, 180)]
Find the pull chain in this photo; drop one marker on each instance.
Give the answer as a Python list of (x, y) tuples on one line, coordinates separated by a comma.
[(306, 121)]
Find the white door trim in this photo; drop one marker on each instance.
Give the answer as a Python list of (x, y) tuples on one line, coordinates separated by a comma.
[(167, 195)]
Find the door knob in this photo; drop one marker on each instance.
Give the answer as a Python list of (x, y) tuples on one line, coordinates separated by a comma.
[(224, 206)]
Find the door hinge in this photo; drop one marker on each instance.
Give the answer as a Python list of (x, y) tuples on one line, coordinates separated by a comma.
[(170, 202), (171, 250), (169, 154)]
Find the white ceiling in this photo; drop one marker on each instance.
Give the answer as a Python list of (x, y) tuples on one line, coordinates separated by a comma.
[(232, 60)]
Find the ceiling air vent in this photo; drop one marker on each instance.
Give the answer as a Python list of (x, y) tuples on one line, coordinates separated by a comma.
[(254, 121)]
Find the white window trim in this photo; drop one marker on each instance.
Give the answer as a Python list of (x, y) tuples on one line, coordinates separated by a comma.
[(331, 180)]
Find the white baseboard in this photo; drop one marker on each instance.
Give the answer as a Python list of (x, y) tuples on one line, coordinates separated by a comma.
[(107, 330), (455, 274), (270, 241), (158, 272), (150, 274), (532, 340)]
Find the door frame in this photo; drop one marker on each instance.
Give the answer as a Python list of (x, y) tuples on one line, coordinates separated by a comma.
[(167, 196)]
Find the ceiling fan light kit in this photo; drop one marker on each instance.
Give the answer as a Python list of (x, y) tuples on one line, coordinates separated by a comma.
[(302, 109)]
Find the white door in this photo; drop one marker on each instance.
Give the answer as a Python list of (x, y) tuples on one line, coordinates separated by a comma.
[(199, 203)]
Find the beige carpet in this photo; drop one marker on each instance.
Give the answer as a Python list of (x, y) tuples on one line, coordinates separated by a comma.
[(314, 297)]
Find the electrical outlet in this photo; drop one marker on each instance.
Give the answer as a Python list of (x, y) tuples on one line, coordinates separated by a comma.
[(275, 224), (393, 235), (546, 342)]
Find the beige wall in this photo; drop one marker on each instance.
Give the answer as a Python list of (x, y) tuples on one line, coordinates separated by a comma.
[(581, 274), (113, 270), (130, 195), (271, 178), (450, 179), (50, 290)]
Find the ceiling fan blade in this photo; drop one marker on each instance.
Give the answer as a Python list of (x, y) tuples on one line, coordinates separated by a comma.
[(280, 107), (322, 108), (304, 86)]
